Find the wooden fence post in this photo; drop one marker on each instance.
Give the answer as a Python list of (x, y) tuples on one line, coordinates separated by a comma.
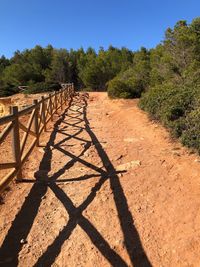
[(43, 114), (61, 99), (56, 103), (71, 93), (66, 97), (16, 143), (67, 93), (50, 107), (73, 89), (35, 123)]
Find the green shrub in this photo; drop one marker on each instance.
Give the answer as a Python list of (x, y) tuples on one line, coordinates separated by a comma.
[(42, 87), (177, 127), (8, 90), (127, 84), (136, 87), (118, 89), (173, 111), (152, 100), (169, 104), (191, 135)]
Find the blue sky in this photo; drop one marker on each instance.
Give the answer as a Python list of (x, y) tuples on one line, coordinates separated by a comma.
[(75, 23)]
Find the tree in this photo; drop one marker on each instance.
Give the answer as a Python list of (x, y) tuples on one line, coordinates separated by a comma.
[(4, 62), (59, 68), (20, 74)]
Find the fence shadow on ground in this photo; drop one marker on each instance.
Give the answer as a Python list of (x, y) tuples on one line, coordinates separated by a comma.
[(24, 220)]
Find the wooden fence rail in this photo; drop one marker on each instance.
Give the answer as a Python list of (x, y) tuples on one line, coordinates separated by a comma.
[(41, 112)]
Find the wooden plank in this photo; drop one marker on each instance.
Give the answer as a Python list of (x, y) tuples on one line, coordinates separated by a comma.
[(7, 165), (26, 111), (28, 152), (6, 131), (47, 108), (43, 114), (48, 112), (24, 139), (61, 99), (50, 107), (25, 129), (40, 114), (56, 102), (36, 125), (41, 130), (48, 119), (6, 119), (16, 142)]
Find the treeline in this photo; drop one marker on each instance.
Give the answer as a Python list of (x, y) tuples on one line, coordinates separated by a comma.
[(43, 68), (174, 62), (167, 77)]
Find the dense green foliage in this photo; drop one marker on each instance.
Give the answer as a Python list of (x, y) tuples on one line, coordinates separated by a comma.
[(49, 66), (170, 104), (134, 80), (167, 77), (173, 93), (42, 87)]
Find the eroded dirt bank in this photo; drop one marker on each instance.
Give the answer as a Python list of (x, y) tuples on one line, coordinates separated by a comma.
[(109, 188)]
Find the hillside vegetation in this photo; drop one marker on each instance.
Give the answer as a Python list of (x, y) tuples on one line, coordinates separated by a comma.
[(173, 92), (167, 77), (39, 68)]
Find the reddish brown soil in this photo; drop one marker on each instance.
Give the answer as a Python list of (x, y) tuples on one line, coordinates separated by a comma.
[(109, 188)]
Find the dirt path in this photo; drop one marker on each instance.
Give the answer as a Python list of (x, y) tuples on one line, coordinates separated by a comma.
[(110, 189)]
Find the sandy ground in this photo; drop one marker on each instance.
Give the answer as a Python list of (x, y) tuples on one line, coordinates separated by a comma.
[(107, 187)]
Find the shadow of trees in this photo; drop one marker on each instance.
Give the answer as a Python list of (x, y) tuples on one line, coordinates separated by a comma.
[(24, 220)]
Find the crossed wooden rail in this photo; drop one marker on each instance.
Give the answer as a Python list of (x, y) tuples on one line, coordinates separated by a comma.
[(41, 112)]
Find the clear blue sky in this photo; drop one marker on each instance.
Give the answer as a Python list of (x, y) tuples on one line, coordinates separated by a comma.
[(75, 23)]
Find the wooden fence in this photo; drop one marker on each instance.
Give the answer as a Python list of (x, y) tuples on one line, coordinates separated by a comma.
[(41, 112)]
